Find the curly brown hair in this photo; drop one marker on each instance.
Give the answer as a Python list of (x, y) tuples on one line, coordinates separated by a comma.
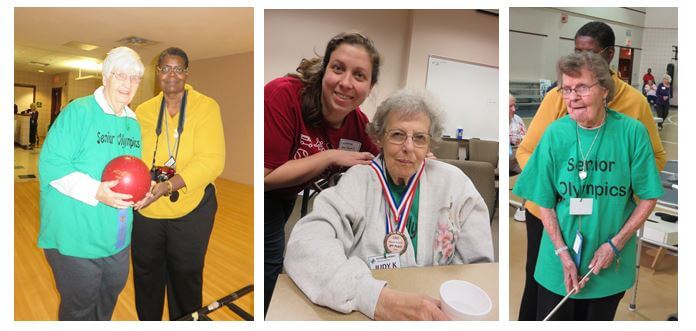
[(311, 72)]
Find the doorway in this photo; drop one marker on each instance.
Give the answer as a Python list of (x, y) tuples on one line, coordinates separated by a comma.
[(626, 64), (56, 96)]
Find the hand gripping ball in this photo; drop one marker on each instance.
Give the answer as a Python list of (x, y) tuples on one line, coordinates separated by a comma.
[(132, 174)]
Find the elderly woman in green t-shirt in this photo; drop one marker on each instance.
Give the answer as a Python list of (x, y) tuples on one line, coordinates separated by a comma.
[(584, 174)]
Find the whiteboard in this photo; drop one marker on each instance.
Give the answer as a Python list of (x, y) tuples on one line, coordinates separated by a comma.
[(468, 94)]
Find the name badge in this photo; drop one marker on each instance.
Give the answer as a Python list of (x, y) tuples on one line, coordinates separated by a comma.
[(577, 248), (349, 145), (580, 206), (386, 261), (170, 163)]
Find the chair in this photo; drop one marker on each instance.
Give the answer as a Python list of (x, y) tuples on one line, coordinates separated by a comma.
[(484, 150), (315, 188), (483, 177), (448, 150)]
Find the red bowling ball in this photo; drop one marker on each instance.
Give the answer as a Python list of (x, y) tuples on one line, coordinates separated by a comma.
[(132, 174)]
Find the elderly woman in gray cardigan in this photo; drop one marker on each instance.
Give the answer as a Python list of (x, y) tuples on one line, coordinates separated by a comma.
[(403, 210)]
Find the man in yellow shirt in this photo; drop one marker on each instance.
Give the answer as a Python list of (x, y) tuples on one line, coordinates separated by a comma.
[(597, 37)]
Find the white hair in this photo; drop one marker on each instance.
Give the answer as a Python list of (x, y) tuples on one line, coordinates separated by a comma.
[(667, 77), (122, 59)]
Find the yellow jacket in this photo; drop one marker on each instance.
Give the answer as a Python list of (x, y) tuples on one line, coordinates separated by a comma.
[(627, 100), (201, 156)]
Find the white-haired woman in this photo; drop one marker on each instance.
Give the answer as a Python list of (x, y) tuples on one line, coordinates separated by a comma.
[(401, 210), (584, 175), (85, 227), (664, 92)]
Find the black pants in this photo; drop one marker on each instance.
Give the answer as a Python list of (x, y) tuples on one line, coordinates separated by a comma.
[(276, 213), (170, 253), (600, 309), (662, 111), (528, 306)]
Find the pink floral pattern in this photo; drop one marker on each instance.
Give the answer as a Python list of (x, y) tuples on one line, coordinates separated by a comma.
[(445, 239)]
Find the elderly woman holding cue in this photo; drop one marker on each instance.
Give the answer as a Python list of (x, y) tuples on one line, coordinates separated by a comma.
[(584, 175), (403, 210)]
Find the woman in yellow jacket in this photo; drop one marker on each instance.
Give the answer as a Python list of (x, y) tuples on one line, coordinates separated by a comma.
[(183, 138)]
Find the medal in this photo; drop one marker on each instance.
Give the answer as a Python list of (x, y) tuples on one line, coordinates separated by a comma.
[(395, 242), (395, 239)]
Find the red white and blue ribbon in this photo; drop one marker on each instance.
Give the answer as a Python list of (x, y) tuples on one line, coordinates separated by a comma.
[(401, 209)]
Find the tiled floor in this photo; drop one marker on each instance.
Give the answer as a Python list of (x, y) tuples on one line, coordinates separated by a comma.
[(26, 164)]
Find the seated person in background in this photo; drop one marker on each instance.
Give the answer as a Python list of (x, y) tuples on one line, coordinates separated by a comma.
[(517, 131), (651, 92), (402, 208)]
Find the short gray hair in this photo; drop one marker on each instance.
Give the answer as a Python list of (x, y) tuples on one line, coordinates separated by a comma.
[(572, 64), (667, 77), (407, 103), (124, 59)]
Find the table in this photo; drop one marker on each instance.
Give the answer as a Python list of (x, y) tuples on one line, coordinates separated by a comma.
[(670, 181), (289, 303), (661, 251)]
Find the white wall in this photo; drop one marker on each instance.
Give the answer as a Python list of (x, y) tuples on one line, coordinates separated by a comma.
[(467, 36), (660, 34), (533, 57)]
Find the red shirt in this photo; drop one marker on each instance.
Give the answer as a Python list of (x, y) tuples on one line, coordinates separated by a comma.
[(648, 77), (286, 137)]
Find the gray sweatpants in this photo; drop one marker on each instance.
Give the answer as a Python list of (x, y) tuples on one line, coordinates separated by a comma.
[(88, 288)]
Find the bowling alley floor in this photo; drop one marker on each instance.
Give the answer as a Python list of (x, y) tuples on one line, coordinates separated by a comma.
[(229, 261), (657, 288)]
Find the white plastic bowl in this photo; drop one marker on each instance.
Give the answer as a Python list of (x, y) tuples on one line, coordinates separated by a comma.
[(465, 301)]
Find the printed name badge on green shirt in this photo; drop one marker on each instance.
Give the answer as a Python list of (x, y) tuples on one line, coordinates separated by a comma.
[(581, 206)]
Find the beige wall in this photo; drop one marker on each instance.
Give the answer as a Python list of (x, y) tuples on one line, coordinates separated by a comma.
[(404, 38), (230, 81), (44, 83), (72, 89), (291, 35)]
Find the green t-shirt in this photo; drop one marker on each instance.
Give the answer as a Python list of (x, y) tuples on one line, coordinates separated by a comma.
[(620, 164), (84, 139), (412, 225)]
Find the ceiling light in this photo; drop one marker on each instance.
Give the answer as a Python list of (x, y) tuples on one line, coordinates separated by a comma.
[(84, 64), (82, 46), (41, 64)]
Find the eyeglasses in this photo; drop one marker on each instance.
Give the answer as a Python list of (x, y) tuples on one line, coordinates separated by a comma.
[(581, 90), (398, 137), (177, 70), (135, 79)]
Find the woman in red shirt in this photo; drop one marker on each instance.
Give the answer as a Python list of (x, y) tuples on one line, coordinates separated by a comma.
[(313, 128)]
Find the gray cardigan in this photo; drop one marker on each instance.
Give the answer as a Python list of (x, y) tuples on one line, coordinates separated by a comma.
[(328, 249)]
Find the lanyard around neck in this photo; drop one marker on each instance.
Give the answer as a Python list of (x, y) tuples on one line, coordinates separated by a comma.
[(401, 209), (180, 128)]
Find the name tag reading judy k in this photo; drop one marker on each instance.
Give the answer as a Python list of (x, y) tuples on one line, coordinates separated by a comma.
[(387, 261)]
